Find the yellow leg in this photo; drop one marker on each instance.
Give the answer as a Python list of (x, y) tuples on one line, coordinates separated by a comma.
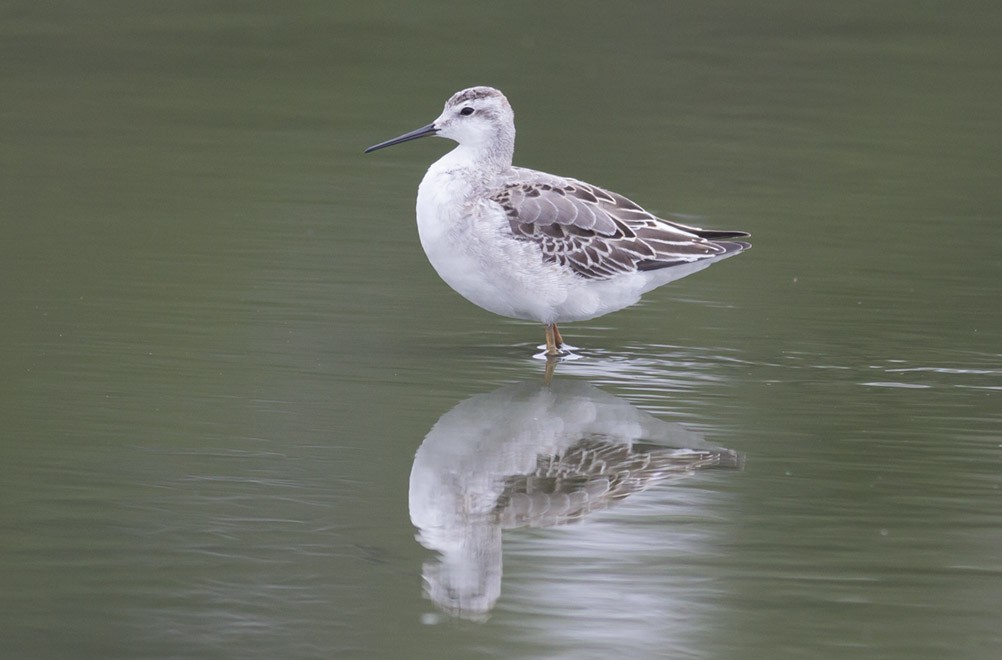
[(557, 338), (552, 341)]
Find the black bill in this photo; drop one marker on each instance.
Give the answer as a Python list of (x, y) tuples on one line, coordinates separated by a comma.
[(424, 131)]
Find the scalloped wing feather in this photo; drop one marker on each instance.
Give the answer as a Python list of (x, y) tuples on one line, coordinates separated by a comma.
[(600, 234)]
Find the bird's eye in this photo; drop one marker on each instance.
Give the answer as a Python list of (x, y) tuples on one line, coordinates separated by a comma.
[(467, 111)]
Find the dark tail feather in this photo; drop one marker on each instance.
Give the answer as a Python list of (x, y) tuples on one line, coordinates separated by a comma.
[(720, 233), (709, 233)]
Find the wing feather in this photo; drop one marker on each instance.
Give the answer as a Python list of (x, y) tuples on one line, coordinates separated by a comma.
[(600, 234)]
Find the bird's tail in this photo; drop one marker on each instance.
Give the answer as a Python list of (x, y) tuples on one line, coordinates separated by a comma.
[(714, 234)]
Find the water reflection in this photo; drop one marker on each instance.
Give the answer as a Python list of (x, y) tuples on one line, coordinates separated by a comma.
[(532, 455)]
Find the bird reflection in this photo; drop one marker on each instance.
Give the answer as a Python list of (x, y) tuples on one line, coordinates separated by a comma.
[(530, 455)]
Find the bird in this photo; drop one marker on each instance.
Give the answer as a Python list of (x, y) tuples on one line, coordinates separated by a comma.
[(534, 246)]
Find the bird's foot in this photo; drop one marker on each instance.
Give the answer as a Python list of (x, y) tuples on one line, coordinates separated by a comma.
[(563, 352)]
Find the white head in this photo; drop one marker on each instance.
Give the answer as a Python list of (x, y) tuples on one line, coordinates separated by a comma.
[(479, 119)]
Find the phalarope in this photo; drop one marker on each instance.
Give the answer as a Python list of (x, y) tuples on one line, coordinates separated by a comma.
[(536, 246)]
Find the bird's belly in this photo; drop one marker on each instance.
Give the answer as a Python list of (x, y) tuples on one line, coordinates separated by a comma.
[(510, 278), (483, 274)]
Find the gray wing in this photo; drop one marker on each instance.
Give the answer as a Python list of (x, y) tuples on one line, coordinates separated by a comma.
[(599, 233)]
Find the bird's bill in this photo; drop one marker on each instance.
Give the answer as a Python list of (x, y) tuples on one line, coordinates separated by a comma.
[(424, 131)]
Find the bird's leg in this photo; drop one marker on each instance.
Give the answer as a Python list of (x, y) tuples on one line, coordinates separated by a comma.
[(557, 338), (552, 343)]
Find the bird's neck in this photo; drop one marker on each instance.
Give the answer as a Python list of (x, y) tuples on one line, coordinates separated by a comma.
[(469, 170), (490, 156)]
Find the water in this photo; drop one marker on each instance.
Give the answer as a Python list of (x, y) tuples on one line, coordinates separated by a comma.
[(223, 347)]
